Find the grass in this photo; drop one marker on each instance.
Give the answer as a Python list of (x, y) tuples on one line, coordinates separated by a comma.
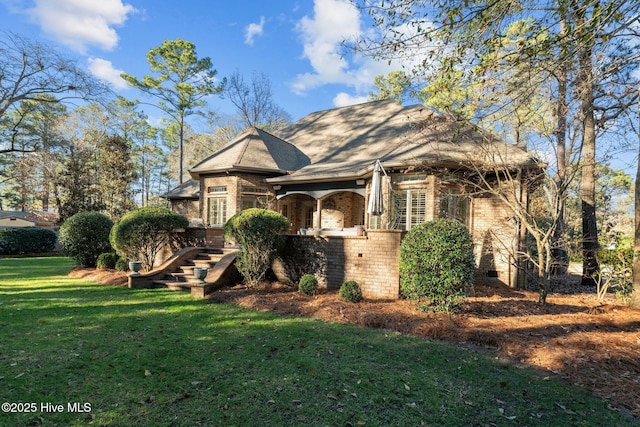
[(161, 358)]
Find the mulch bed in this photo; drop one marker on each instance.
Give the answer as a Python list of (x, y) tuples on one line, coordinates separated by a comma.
[(105, 276)]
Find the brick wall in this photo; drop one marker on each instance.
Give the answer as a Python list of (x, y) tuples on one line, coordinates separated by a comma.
[(494, 232), (234, 185), (370, 260), (190, 208)]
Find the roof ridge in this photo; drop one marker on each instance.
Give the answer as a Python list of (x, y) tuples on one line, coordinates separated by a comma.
[(275, 136), (251, 131), (376, 101)]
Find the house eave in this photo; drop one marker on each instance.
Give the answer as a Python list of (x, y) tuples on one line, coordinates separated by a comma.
[(228, 169), (293, 178), (189, 197)]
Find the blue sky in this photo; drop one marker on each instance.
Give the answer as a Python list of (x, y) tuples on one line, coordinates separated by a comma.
[(297, 43)]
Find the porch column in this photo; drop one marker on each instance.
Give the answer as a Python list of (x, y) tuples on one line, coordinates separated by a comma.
[(319, 216)]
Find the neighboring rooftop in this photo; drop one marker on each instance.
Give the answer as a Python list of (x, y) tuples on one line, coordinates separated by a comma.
[(37, 218)]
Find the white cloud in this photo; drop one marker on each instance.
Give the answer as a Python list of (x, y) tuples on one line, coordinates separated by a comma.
[(81, 23), (321, 42), (253, 30), (322, 35), (344, 99), (104, 70)]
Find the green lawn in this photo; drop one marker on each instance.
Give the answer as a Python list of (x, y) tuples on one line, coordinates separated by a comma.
[(114, 356)]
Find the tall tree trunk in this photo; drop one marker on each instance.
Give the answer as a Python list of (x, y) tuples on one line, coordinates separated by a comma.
[(584, 84), (559, 244), (635, 294), (588, 189), (181, 148)]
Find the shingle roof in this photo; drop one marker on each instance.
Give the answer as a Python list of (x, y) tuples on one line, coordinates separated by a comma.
[(188, 190), (254, 150), (349, 134), (345, 142)]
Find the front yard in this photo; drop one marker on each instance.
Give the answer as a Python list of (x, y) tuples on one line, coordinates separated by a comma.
[(77, 352)]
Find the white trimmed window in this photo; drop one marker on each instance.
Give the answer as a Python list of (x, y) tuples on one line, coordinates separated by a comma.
[(217, 189), (308, 216), (216, 205), (410, 208), (397, 179), (217, 212)]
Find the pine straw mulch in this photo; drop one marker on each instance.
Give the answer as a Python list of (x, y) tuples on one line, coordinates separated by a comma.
[(590, 345), (105, 276)]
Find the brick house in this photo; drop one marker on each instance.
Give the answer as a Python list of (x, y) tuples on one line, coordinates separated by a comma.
[(317, 172)]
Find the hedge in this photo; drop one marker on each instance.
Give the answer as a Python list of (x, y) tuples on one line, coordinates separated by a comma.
[(27, 240)]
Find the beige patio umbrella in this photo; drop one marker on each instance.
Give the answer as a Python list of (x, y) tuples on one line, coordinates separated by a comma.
[(375, 196)]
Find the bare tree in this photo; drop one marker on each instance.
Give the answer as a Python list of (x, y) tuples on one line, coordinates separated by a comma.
[(635, 295), (32, 71), (491, 169), (254, 101)]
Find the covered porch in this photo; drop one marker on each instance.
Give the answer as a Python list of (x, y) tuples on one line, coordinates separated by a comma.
[(326, 208)]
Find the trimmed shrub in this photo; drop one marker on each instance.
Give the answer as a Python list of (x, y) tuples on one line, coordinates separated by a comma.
[(142, 233), (308, 284), (27, 240), (350, 291), (84, 236), (107, 260), (259, 232), (437, 265), (122, 264)]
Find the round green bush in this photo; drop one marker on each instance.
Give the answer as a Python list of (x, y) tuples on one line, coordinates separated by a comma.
[(107, 260), (259, 232), (27, 240), (142, 233), (437, 264), (84, 236), (350, 291), (308, 284), (122, 264)]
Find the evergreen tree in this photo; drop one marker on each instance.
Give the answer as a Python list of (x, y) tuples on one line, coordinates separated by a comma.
[(181, 84), (117, 173)]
